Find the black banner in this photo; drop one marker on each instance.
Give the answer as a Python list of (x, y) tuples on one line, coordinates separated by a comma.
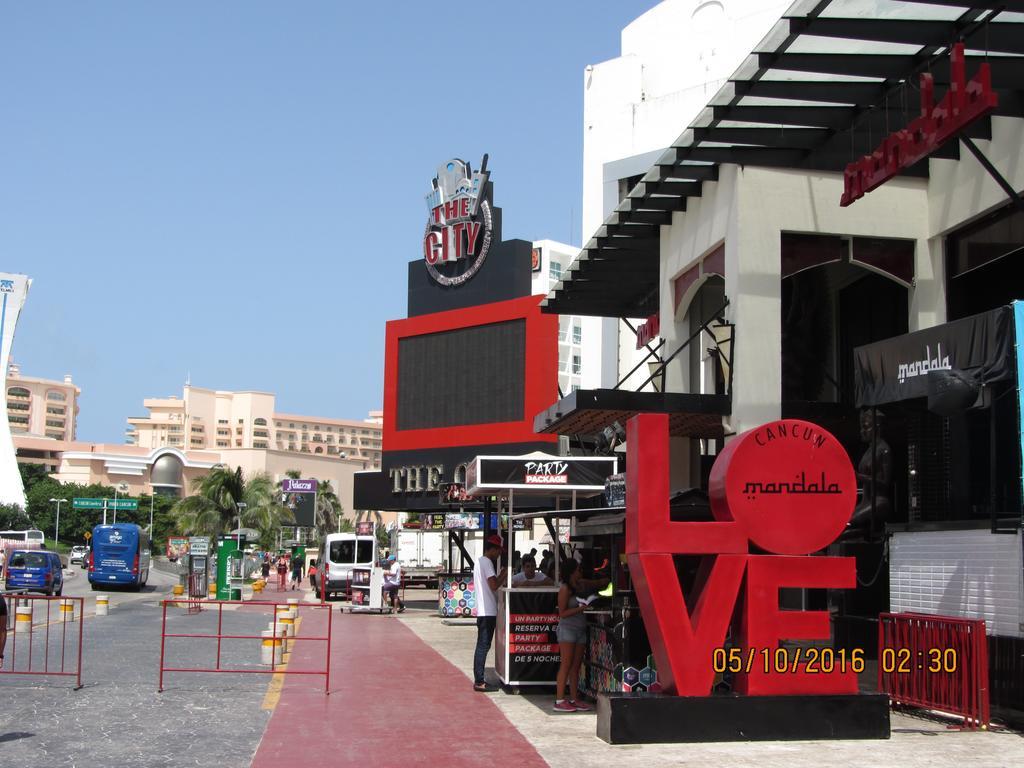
[(897, 368), (541, 472), (532, 640)]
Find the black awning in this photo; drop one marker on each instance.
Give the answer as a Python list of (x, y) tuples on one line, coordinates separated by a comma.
[(588, 411), (821, 90), (897, 369)]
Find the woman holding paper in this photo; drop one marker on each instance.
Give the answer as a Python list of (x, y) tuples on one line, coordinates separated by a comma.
[(572, 633)]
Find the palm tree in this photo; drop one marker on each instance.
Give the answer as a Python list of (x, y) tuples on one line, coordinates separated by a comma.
[(213, 507)]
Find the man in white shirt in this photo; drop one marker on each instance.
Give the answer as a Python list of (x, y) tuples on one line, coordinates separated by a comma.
[(529, 576), (392, 583), (486, 583)]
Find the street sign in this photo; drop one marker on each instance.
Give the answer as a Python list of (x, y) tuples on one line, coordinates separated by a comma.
[(199, 545), (129, 504), (88, 535)]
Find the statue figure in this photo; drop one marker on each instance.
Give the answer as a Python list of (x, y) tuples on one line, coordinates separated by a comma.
[(875, 483)]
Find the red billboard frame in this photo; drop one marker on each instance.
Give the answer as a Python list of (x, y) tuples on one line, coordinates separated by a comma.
[(540, 390)]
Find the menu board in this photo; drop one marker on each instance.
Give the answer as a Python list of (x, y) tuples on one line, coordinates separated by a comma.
[(532, 642)]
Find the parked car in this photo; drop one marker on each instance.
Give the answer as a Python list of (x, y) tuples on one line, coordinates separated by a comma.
[(34, 571), (78, 554)]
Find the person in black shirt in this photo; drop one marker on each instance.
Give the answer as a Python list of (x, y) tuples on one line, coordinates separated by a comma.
[(3, 628)]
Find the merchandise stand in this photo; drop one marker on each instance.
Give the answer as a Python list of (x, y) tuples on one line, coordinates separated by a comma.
[(367, 590), (526, 647)]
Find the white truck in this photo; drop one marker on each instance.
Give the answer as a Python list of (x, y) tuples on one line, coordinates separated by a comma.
[(422, 554)]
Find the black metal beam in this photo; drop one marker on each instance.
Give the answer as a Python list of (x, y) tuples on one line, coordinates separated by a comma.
[(994, 37), (993, 172), (656, 203), (843, 92), (649, 244), (695, 172), (991, 5), (680, 188), (656, 217), (766, 156), (817, 115), (886, 66), (777, 136)]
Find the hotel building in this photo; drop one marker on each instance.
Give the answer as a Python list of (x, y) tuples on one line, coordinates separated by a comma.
[(218, 420)]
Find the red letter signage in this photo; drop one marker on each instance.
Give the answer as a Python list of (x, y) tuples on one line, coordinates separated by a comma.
[(786, 489), (964, 102)]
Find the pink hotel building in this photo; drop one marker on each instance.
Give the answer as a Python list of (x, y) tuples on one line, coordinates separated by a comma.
[(183, 438)]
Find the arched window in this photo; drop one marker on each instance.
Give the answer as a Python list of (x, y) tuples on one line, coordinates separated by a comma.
[(259, 422), (53, 394), (18, 392)]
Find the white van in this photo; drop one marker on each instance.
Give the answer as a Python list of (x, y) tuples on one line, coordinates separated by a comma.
[(339, 553)]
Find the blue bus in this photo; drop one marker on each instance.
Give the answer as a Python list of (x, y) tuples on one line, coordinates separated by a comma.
[(119, 556)]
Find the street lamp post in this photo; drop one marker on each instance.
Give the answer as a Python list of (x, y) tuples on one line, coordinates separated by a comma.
[(56, 528)]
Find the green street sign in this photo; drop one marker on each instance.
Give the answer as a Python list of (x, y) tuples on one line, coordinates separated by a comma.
[(128, 504)]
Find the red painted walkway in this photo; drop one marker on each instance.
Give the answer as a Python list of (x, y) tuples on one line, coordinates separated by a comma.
[(394, 701)]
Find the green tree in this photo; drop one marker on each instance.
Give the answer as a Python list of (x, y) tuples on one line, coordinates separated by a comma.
[(213, 507), (32, 474), (73, 522), (13, 517)]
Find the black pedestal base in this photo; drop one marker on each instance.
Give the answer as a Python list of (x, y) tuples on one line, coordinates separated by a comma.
[(645, 718)]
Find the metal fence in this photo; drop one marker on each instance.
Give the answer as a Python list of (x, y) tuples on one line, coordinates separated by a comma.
[(44, 636), (935, 662), (254, 642)]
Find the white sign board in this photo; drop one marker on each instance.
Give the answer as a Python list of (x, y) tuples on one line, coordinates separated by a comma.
[(199, 545)]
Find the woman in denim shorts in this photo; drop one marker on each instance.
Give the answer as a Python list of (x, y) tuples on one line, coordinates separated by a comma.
[(572, 634)]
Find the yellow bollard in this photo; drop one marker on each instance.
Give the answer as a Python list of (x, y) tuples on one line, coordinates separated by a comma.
[(272, 648), (102, 604), (67, 609), (23, 619)]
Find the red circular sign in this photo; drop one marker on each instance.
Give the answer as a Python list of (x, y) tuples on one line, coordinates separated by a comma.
[(789, 483)]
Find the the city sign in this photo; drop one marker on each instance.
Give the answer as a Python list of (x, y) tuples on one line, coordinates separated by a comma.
[(459, 223), (127, 504)]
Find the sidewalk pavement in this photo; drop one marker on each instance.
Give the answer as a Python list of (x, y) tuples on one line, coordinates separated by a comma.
[(570, 741), (394, 701), (401, 694)]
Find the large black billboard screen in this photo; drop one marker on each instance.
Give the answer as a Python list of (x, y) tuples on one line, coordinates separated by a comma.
[(465, 376)]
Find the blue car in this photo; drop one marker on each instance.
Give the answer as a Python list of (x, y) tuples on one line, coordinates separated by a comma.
[(34, 571)]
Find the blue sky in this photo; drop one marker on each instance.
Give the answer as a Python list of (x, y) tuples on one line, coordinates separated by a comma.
[(232, 190)]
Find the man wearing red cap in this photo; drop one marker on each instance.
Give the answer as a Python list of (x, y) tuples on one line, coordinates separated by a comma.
[(486, 583)]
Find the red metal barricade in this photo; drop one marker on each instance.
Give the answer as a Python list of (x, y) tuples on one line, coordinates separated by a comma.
[(43, 642), (935, 662), (220, 636)]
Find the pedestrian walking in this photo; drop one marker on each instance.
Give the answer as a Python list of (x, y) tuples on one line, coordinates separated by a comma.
[(312, 574), (265, 568), (486, 583), (282, 573), (296, 572)]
